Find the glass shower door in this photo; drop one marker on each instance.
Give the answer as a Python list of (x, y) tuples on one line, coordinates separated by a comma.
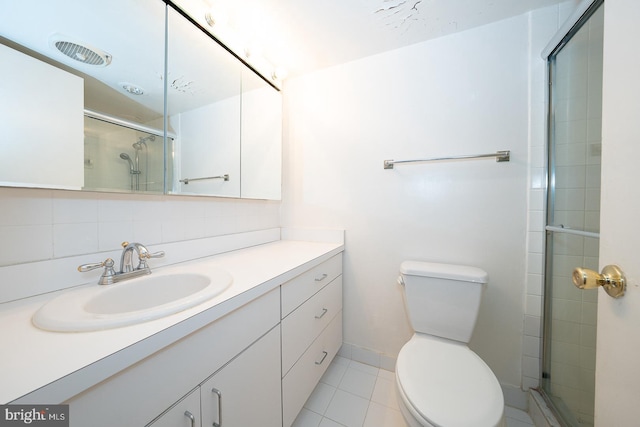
[(573, 217)]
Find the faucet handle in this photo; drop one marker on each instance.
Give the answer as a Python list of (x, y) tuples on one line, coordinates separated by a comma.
[(145, 255), (107, 263), (148, 255), (107, 275)]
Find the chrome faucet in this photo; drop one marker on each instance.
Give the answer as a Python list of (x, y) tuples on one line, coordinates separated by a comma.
[(127, 270)]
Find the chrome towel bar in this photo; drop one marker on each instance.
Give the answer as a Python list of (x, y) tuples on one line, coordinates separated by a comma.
[(188, 180), (501, 156)]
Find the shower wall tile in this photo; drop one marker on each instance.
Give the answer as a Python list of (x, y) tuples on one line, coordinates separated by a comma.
[(538, 178), (566, 332), (531, 366), (535, 263), (533, 305), (536, 221), (570, 199), (532, 325), (537, 154), (565, 290), (532, 347), (571, 154), (571, 132), (535, 243), (535, 283), (537, 200), (589, 313)]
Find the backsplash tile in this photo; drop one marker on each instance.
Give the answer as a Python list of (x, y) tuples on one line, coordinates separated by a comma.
[(64, 226)]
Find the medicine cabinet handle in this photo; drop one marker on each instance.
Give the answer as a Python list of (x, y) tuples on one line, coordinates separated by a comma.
[(321, 278), (612, 280), (323, 357), (324, 311), (219, 398), (191, 418)]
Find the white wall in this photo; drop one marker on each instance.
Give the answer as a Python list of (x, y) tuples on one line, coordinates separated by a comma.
[(618, 345), (461, 94)]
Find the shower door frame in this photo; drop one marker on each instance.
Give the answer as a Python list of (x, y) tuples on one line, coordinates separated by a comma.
[(589, 10)]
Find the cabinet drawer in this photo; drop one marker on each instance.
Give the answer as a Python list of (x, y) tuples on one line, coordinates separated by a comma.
[(298, 290), (300, 381), (304, 324)]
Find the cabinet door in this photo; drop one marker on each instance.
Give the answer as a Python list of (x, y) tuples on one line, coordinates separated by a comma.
[(185, 413), (42, 124), (247, 391)]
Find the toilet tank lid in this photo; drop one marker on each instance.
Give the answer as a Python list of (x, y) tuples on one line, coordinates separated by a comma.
[(444, 271)]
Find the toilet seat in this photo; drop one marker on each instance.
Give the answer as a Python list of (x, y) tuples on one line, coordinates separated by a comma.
[(445, 384)]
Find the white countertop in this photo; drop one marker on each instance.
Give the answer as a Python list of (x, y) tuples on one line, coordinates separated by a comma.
[(38, 366)]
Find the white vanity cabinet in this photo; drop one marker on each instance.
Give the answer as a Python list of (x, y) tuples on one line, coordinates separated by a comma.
[(246, 392), (255, 366), (311, 332), (140, 393)]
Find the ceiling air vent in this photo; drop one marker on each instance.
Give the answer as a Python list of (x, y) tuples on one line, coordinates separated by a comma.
[(82, 53)]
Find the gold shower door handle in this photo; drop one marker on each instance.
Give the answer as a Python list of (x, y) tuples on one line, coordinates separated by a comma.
[(612, 280)]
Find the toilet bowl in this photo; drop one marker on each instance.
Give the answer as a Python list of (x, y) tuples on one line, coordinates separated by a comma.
[(440, 381)]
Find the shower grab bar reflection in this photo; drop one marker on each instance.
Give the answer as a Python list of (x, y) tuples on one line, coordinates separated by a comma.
[(188, 180), (562, 229), (501, 156)]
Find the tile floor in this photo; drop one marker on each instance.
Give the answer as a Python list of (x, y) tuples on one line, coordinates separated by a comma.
[(352, 394)]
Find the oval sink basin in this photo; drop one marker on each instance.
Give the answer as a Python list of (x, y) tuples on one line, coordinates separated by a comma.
[(129, 302)]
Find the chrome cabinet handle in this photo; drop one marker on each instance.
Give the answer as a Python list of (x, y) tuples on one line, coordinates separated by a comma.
[(219, 399), (191, 418), (324, 311), (321, 278), (325, 354)]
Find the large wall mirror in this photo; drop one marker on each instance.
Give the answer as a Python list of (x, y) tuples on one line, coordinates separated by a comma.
[(89, 103)]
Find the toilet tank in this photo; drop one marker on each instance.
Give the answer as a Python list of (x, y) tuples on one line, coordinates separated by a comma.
[(443, 299)]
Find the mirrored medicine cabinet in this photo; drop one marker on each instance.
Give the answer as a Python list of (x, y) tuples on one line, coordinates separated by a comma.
[(132, 96)]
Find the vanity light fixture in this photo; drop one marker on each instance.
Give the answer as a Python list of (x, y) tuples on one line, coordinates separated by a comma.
[(278, 74), (215, 17), (251, 51), (132, 89), (209, 18)]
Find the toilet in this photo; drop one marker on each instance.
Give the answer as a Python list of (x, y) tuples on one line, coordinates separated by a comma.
[(440, 381)]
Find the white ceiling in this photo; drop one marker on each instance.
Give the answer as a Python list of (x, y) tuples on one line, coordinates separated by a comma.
[(304, 35)]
